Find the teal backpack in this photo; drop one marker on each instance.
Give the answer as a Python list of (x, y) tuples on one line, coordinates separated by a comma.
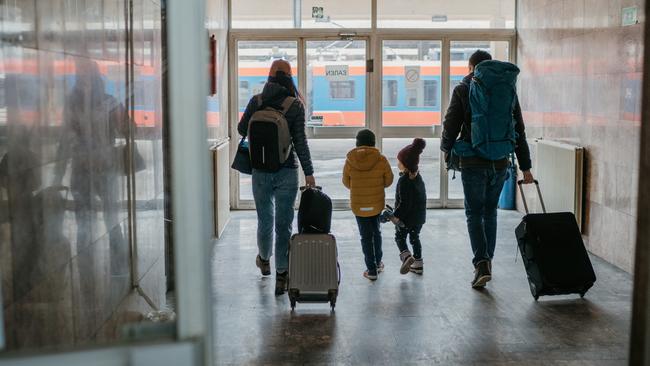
[(492, 98)]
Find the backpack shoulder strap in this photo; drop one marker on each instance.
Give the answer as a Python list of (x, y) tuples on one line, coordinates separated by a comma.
[(288, 102), (258, 98)]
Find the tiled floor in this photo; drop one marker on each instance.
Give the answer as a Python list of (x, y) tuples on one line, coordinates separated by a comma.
[(407, 319)]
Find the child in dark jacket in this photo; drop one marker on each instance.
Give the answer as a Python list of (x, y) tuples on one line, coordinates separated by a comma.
[(410, 207)]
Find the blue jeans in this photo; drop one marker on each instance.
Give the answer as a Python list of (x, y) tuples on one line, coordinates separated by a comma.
[(482, 187), (275, 194), (370, 241)]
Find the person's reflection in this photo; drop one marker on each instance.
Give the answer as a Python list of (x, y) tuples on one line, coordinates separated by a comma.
[(93, 136)]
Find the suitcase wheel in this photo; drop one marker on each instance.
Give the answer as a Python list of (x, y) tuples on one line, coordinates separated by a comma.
[(332, 297), (536, 297)]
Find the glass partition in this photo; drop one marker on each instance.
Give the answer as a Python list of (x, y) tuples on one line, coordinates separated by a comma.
[(336, 83), (411, 83)]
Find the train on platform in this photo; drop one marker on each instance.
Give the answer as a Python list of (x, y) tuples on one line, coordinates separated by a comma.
[(408, 100)]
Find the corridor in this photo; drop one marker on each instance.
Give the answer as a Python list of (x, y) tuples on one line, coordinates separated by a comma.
[(415, 320)]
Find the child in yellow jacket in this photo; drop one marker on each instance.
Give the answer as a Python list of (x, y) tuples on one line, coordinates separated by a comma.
[(366, 174)]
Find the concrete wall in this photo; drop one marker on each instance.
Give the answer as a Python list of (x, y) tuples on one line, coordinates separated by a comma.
[(581, 83)]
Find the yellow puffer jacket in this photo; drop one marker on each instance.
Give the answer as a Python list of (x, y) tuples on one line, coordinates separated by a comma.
[(366, 174)]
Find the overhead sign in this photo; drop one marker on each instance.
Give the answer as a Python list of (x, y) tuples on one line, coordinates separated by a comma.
[(317, 12), (337, 72), (412, 74)]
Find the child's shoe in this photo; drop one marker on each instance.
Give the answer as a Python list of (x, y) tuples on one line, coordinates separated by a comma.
[(407, 259), (372, 276), (380, 267), (416, 267)]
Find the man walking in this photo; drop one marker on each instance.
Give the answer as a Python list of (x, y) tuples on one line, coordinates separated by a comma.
[(484, 163)]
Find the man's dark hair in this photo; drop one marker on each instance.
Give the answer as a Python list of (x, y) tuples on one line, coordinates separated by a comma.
[(478, 57)]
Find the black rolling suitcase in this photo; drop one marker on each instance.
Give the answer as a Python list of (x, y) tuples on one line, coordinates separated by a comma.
[(553, 252)]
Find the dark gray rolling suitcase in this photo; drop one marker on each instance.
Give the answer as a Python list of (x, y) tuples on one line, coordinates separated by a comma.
[(553, 252), (313, 269)]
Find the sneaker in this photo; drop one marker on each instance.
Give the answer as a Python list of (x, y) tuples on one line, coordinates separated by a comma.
[(370, 276), (264, 266), (281, 282), (482, 274), (416, 267), (407, 259), (380, 267)]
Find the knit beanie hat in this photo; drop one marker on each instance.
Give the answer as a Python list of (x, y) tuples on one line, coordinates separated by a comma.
[(409, 156), (365, 137)]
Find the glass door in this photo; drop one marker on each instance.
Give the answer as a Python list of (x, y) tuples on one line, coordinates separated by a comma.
[(336, 89), (405, 96), (411, 85)]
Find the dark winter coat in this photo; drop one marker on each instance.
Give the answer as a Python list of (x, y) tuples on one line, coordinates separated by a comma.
[(273, 95), (411, 200)]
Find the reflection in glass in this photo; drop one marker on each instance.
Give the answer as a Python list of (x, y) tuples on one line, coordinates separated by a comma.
[(65, 231)]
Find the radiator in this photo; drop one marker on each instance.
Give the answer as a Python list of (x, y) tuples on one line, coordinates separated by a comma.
[(559, 170), (221, 180)]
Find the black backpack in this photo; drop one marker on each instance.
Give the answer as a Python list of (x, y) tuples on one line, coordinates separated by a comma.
[(269, 137), (315, 211)]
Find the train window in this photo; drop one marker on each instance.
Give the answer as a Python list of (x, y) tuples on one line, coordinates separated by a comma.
[(243, 93), (411, 97), (389, 92), (342, 89), (430, 93)]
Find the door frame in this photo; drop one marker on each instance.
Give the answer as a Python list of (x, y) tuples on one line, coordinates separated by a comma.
[(374, 38)]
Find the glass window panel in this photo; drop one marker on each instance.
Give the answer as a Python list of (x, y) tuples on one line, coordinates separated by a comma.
[(430, 93), (328, 157), (335, 14), (254, 60), (492, 14), (429, 164), (460, 52), (411, 82), (262, 14), (336, 83)]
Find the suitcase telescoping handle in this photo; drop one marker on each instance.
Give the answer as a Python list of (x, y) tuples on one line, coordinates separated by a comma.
[(520, 183)]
